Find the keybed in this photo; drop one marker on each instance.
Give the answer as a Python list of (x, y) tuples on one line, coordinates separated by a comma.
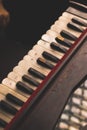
[(25, 78)]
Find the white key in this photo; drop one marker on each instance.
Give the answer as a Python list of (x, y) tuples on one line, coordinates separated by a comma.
[(25, 65), (5, 90), (50, 39), (29, 59), (4, 117), (47, 45), (68, 20), (12, 85), (52, 33), (56, 27), (61, 24), (2, 97), (37, 52), (15, 77), (21, 71), (40, 49), (70, 16)]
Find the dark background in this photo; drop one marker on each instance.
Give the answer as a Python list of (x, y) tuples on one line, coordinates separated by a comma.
[(28, 21)]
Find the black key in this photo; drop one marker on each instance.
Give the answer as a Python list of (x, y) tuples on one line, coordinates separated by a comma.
[(68, 35), (78, 6), (79, 22), (14, 99), (24, 88), (74, 27), (58, 48), (7, 107), (45, 63), (50, 57), (3, 123), (63, 41), (30, 80), (36, 73)]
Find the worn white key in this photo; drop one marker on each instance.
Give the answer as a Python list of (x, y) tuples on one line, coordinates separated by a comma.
[(34, 61), (52, 33), (47, 45), (62, 18), (70, 16), (15, 77), (37, 52), (12, 85), (50, 39), (22, 70), (5, 90), (56, 27), (38, 48), (33, 53), (61, 24), (25, 65)]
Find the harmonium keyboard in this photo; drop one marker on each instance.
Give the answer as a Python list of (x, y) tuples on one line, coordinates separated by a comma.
[(47, 90)]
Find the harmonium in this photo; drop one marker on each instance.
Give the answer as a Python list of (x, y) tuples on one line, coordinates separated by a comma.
[(47, 90)]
